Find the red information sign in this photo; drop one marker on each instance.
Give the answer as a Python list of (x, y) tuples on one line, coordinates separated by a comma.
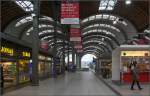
[(75, 34), (79, 46), (69, 13), (79, 51), (44, 45)]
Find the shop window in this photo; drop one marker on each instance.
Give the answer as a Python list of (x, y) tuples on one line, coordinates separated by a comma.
[(41, 67), (24, 70), (9, 73)]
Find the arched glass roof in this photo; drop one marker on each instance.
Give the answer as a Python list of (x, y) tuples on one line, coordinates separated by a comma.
[(30, 18), (97, 35), (105, 17), (93, 48), (102, 25), (99, 30), (46, 37), (46, 31), (94, 40)]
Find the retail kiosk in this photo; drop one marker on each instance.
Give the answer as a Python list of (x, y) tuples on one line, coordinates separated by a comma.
[(121, 59), (15, 60)]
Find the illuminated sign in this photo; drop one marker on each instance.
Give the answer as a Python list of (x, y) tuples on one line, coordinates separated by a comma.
[(7, 50), (135, 53), (26, 54)]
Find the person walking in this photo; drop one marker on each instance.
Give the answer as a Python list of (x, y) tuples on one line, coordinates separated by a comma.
[(134, 73)]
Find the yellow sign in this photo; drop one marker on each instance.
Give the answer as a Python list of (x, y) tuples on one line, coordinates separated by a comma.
[(7, 51), (26, 54), (135, 53)]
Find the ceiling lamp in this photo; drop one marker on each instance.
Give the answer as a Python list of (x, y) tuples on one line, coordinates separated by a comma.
[(128, 2)]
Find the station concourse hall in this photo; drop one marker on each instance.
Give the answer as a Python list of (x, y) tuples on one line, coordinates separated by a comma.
[(75, 48)]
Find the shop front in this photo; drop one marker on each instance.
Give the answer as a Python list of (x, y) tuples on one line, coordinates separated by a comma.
[(121, 60), (15, 60), (44, 66), (143, 65)]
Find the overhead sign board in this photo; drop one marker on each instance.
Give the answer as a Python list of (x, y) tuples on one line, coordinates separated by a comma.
[(75, 34), (79, 51), (44, 44), (75, 38), (69, 12)]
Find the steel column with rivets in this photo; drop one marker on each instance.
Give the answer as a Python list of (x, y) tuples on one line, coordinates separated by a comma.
[(35, 45)]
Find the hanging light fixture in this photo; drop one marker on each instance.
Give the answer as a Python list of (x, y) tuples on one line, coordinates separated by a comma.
[(128, 2)]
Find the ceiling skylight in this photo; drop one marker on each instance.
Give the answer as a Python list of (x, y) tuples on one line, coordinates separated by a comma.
[(25, 5), (107, 4)]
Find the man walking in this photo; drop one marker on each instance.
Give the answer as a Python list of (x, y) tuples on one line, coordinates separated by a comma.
[(134, 74)]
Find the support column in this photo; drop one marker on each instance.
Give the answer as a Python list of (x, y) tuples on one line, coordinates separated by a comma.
[(35, 44), (116, 65), (68, 58), (63, 56), (80, 61), (73, 57), (55, 7), (77, 61)]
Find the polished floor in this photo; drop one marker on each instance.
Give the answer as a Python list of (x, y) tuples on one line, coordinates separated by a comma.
[(72, 84)]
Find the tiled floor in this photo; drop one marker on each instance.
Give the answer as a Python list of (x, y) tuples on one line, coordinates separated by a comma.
[(72, 84), (124, 90)]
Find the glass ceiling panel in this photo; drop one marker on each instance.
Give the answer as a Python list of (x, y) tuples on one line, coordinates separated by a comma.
[(99, 30), (24, 20), (25, 5), (104, 16), (91, 51), (40, 26), (46, 37), (96, 41), (46, 31), (94, 47), (29, 18), (107, 4), (98, 36), (46, 18), (102, 25)]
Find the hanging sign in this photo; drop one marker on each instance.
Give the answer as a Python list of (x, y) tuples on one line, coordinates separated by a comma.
[(75, 34), (69, 12), (78, 45), (80, 51), (44, 44), (75, 38)]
